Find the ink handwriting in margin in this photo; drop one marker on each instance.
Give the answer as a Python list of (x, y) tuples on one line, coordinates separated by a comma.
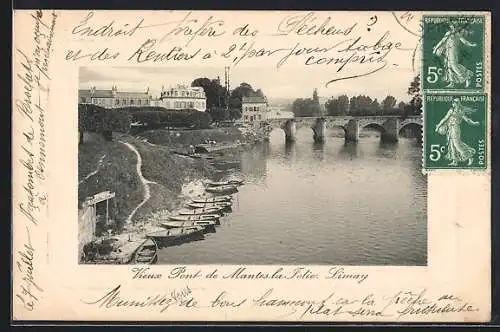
[(400, 305), (190, 26), (34, 81), (404, 20)]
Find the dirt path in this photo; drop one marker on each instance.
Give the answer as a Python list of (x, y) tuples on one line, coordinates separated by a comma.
[(94, 172), (144, 181)]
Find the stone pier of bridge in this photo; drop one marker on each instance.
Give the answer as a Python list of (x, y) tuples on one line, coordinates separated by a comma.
[(389, 126), (319, 129)]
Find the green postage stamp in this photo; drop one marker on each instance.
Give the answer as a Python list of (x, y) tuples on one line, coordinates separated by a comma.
[(453, 53), (455, 131)]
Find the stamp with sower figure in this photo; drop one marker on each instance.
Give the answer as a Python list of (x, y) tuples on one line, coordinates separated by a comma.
[(453, 53), (455, 131)]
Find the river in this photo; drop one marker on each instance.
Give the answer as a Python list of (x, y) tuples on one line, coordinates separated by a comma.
[(331, 203)]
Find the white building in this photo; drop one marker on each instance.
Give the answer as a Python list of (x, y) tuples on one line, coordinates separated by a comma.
[(183, 97), (114, 98), (253, 109), (276, 112)]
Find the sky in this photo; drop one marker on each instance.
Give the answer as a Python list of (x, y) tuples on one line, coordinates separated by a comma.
[(283, 83)]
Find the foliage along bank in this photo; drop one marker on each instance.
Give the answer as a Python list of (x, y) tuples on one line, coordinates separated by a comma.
[(96, 119)]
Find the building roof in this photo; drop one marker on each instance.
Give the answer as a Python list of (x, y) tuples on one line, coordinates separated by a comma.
[(132, 94), (109, 94), (96, 94), (253, 100)]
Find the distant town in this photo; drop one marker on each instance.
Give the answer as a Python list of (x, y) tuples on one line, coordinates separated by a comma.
[(179, 97), (245, 103)]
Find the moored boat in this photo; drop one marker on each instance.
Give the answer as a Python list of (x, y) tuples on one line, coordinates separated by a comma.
[(214, 217), (200, 211), (213, 199), (146, 253), (218, 205), (233, 182), (177, 235), (177, 224), (223, 190)]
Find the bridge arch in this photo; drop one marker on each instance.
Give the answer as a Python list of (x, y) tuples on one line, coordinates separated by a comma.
[(373, 125), (411, 126), (337, 128), (389, 127)]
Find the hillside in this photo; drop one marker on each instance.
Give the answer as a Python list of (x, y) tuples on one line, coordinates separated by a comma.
[(111, 165)]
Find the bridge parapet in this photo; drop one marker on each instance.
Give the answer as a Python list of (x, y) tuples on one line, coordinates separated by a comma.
[(390, 125)]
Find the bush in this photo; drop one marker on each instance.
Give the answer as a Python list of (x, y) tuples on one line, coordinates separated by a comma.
[(159, 117), (93, 118)]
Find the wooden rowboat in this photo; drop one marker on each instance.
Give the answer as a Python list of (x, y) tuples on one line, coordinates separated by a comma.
[(147, 253), (222, 190), (200, 211), (223, 183), (218, 205), (177, 235), (177, 224), (214, 217), (214, 199)]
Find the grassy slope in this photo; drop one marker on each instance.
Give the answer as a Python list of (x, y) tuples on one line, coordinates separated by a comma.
[(118, 174), (186, 137)]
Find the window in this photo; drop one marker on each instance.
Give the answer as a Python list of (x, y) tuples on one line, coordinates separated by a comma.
[(83, 100), (139, 101), (117, 101)]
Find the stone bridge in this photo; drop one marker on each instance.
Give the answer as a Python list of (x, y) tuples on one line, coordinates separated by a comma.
[(389, 126)]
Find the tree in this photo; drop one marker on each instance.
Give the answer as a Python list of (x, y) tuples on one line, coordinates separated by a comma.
[(259, 93), (343, 102), (388, 103), (360, 105), (337, 106), (85, 120), (316, 107), (416, 96), (215, 93), (375, 106), (93, 118), (235, 113), (243, 90), (218, 113), (302, 107)]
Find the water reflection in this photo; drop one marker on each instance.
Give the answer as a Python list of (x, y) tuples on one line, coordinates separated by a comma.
[(318, 150), (349, 150), (387, 150), (337, 202), (253, 163), (289, 148)]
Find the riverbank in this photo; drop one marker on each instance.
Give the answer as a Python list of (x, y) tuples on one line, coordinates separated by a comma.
[(149, 179)]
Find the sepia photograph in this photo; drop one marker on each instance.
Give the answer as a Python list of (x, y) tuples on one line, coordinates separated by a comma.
[(251, 166), (209, 165)]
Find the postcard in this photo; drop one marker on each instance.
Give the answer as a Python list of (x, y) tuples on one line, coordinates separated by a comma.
[(257, 166)]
